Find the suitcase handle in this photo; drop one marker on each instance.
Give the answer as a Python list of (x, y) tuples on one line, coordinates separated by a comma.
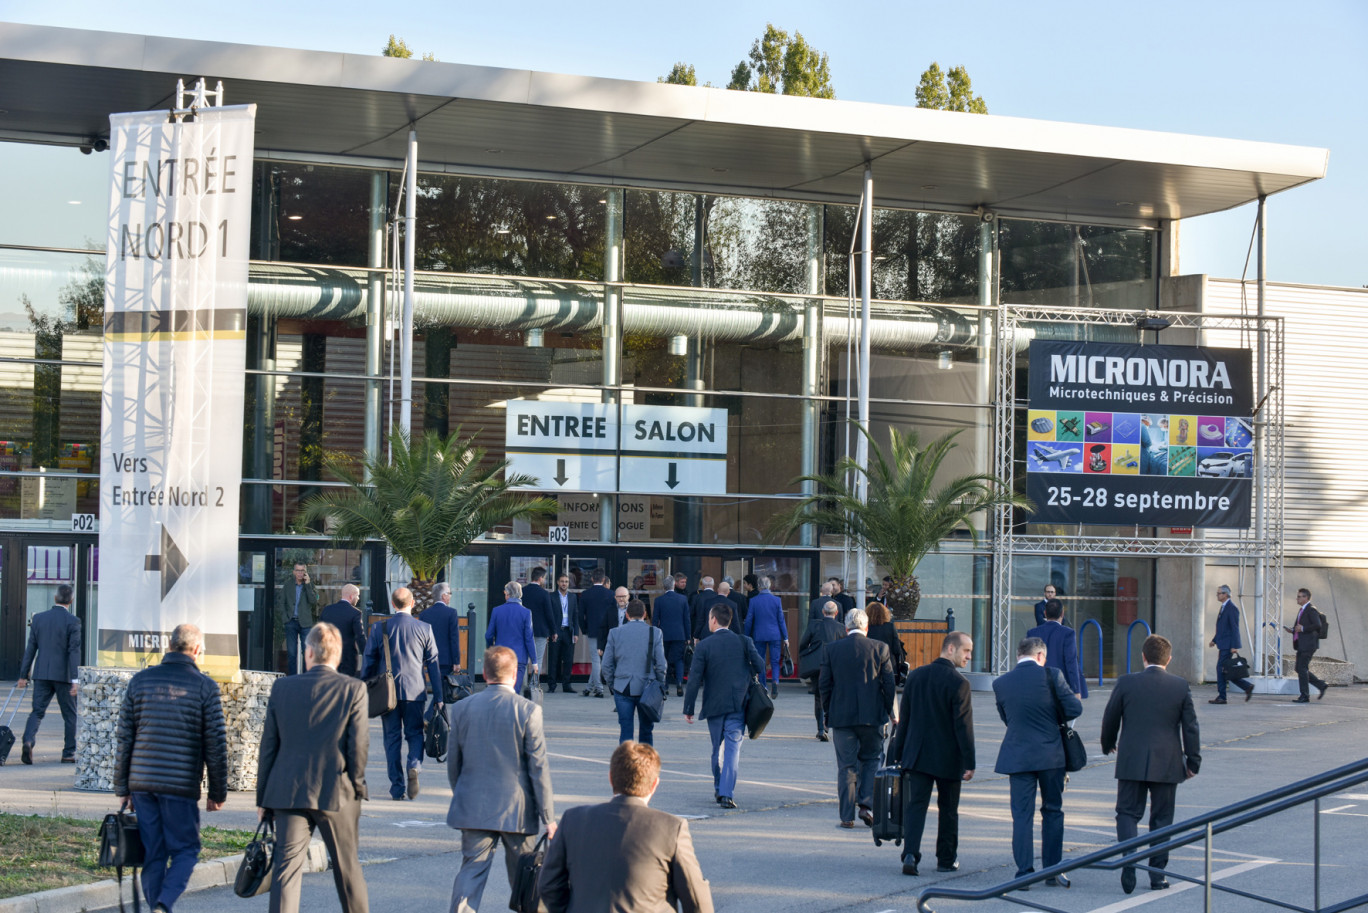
[(15, 712)]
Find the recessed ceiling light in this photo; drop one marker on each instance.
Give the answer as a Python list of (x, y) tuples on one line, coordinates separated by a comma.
[(73, 202), (294, 218), (501, 231), (550, 218), (603, 201), (1124, 203)]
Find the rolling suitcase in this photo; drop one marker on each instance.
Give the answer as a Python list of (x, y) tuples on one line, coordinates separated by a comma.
[(6, 733), (888, 806)]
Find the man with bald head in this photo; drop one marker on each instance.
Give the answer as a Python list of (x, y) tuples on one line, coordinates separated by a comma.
[(346, 618), (412, 648)]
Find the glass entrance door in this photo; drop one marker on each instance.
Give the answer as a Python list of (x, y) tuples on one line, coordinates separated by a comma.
[(31, 569)]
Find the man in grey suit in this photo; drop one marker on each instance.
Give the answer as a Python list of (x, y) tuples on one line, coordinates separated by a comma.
[(1032, 700), (624, 855), (52, 656), (500, 781), (311, 772), (634, 655), (723, 666), (1159, 747), (857, 690)]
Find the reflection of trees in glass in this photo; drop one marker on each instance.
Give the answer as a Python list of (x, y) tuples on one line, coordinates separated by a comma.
[(1048, 255), (918, 256), (318, 214), (80, 310)]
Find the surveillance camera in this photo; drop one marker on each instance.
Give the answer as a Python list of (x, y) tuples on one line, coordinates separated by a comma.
[(101, 144), (987, 216), (85, 150)]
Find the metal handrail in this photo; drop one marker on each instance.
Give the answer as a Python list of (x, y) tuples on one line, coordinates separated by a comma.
[(1129, 853), (1148, 632), (1094, 622)]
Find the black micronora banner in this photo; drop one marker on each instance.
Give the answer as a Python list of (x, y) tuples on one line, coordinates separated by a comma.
[(1126, 435)]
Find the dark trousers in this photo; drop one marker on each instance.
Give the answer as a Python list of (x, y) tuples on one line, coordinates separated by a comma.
[(674, 662), (1221, 676), (402, 724), (858, 751), (169, 827), (43, 692), (916, 800), (294, 646), (817, 710), (294, 827), (1304, 676), (1130, 808), (1023, 788), (629, 706), (560, 657)]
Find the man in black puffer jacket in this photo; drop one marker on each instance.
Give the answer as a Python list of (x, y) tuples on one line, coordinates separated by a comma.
[(170, 729)]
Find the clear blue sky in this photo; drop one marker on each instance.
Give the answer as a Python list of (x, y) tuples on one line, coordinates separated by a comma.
[(1253, 69)]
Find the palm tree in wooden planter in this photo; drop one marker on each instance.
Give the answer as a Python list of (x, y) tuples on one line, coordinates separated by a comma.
[(906, 513), (432, 498)]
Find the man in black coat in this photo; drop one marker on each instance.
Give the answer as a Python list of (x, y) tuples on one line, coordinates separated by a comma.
[(857, 691), (1307, 630), (823, 597), (934, 745), (595, 605), (52, 658), (560, 652), (671, 616), (1032, 700), (723, 666), (1159, 747), (170, 733), (346, 618), (815, 638), (545, 617), (699, 604)]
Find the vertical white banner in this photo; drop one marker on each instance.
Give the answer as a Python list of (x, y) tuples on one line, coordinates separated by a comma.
[(174, 366)]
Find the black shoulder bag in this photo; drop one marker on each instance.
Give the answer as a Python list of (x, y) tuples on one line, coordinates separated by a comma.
[(1075, 752), (381, 696), (121, 847), (652, 700), (526, 894), (254, 875), (759, 706)]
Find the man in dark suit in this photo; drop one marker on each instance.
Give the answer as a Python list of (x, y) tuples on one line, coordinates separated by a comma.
[(624, 855), (510, 625), (857, 690), (52, 659), (412, 649), (1042, 605), (1061, 645), (596, 603), (838, 593), (671, 616), (297, 603), (500, 781), (1159, 747), (545, 618), (823, 597), (1226, 641), (723, 665), (1307, 630), (934, 745), (445, 622), (346, 618), (1032, 700), (614, 619), (722, 596), (699, 604), (311, 772), (560, 653), (815, 638)]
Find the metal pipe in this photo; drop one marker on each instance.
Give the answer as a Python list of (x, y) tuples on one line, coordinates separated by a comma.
[(410, 237), (812, 358), (611, 338), (1315, 830), (1269, 665), (375, 304), (862, 442), (1206, 871)]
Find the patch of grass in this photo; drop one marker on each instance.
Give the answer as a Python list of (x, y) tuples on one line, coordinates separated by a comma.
[(38, 853)]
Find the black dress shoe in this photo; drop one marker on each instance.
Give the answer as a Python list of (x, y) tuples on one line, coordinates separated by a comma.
[(1249, 692), (1302, 700), (679, 692), (69, 760), (866, 815), (726, 802), (1128, 880), (1059, 881), (1322, 692), (952, 867), (26, 753), (569, 690), (910, 868), (1160, 885), (1217, 700)]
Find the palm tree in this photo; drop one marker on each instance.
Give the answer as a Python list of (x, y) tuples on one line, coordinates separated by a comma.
[(905, 514), (428, 502)]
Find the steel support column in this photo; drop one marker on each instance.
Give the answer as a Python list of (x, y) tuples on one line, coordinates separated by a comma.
[(375, 310), (862, 442), (812, 358), (410, 237), (611, 338)]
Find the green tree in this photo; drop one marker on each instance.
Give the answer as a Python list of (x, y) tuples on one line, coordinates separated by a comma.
[(781, 64), (952, 92), (905, 513), (681, 74), (396, 47), (429, 501)]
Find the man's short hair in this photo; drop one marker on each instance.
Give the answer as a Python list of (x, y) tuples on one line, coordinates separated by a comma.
[(186, 638), (633, 769), (857, 619), (636, 609), (706, 583), (597, 575), (953, 639), (500, 663), (1054, 609), (63, 594), (350, 589), (326, 642), (765, 583), (750, 578), (826, 588), (1157, 650), (723, 613), (724, 588), (681, 577), (513, 589), (1303, 591), (1224, 589), (439, 591), (401, 598), (1030, 646), (537, 574), (830, 609), (836, 581)]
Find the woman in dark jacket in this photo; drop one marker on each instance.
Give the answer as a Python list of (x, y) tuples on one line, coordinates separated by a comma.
[(881, 628)]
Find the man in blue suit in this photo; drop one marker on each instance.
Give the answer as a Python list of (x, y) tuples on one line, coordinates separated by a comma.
[(1226, 641), (446, 628), (1032, 700), (595, 604), (671, 616), (545, 617), (723, 664), (412, 649), (765, 624), (510, 625), (1050, 593), (53, 655), (1061, 645)]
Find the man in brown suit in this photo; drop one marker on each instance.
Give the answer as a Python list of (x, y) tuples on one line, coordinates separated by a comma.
[(312, 771), (623, 855)]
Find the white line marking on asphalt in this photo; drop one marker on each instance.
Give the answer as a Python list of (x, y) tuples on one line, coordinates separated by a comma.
[(706, 776), (1152, 896), (417, 823), (1351, 814), (1337, 808), (1360, 797)]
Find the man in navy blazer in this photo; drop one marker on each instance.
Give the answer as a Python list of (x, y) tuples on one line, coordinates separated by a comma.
[(412, 649), (1226, 641), (545, 618), (1040, 606), (595, 604), (765, 624), (857, 692), (510, 625), (446, 628), (723, 665), (671, 616), (346, 618), (53, 655), (1061, 645), (1032, 700)]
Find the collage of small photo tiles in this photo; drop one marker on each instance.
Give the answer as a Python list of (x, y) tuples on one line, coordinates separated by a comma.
[(1146, 444)]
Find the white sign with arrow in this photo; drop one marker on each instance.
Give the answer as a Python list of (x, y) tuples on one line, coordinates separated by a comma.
[(673, 450), (565, 446)]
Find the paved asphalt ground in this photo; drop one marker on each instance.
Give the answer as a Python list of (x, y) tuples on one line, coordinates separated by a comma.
[(781, 850)]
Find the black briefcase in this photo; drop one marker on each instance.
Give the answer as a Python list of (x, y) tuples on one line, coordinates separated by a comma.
[(254, 875), (888, 805), (436, 737), (526, 895), (1236, 667)]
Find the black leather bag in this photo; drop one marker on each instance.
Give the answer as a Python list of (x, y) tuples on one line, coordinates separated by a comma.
[(457, 686), (759, 707), (810, 660), (1236, 667), (526, 895), (380, 693), (1075, 752), (258, 862), (651, 704), (121, 847), (785, 661), (437, 735)]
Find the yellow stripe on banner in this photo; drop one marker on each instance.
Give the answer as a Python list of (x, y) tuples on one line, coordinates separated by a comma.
[(170, 336), (219, 668)]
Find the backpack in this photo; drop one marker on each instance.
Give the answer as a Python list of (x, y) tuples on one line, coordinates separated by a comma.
[(1324, 625)]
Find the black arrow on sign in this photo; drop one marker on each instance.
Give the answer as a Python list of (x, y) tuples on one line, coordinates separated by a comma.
[(171, 563), (672, 477), (560, 475)]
